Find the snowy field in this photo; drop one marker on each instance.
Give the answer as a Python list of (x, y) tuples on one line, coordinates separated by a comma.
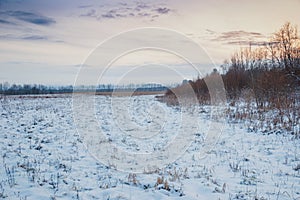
[(43, 157)]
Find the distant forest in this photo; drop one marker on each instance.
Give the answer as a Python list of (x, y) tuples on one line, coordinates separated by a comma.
[(28, 89)]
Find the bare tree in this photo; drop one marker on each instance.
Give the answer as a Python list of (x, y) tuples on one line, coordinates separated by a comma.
[(285, 47)]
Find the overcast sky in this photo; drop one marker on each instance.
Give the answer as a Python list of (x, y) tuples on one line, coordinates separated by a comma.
[(47, 41)]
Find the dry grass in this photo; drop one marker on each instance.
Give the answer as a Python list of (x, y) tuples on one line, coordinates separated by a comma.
[(135, 93)]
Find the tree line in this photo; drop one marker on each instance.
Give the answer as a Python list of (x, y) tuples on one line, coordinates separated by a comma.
[(18, 89), (268, 73)]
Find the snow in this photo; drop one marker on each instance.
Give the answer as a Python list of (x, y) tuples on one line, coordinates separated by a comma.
[(44, 157)]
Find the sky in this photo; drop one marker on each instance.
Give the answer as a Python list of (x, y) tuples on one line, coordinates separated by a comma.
[(51, 42)]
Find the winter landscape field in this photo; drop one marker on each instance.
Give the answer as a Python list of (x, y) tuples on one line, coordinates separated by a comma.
[(43, 156), (149, 100)]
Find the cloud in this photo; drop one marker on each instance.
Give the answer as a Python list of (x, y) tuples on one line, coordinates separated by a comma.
[(85, 6), (162, 10), (125, 10), (2, 21), (30, 17), (90, 13), (110, 14), (142, 6), (35, 37), (211, 32), (239, 37), (28, 37), (6, 36)]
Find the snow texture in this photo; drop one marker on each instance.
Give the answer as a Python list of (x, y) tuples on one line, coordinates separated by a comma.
[(44, 157)]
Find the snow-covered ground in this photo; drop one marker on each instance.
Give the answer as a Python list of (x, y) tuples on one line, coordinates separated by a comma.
[(43, 157)]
